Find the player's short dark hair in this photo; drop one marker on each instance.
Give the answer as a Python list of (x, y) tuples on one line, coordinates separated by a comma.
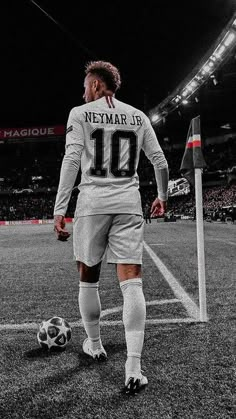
[(107, 72)]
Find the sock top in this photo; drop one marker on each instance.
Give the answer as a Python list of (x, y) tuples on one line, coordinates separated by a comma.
[(131, 281), (83, 284)]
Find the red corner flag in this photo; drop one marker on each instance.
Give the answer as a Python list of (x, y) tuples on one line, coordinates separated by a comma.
[(192, 158)]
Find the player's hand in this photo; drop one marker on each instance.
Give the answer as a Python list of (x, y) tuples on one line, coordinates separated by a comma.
[(59, 228), (158, 208)]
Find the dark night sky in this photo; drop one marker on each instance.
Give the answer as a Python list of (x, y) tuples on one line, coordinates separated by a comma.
[(155, 46)]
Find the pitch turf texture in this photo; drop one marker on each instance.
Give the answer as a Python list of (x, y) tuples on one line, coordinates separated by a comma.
[(190, 365)]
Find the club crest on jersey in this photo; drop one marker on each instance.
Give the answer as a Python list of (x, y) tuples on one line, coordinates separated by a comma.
[(69, 129)]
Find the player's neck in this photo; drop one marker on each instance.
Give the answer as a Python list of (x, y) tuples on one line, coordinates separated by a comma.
[(103, 93)]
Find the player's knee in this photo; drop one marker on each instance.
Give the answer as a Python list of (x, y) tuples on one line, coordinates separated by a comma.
[(89, 273), (128, 271)]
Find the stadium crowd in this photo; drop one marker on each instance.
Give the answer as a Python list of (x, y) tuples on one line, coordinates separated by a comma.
[(29, 179), (31, 205), (28, 166)]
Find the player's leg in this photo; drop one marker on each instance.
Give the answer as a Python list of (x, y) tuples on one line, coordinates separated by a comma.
[(125, 249), (134, 316), (89, 273), (90, 309), (90, 241), (127, 271)]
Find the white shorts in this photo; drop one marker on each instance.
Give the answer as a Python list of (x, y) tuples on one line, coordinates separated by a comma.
[(119, 237)]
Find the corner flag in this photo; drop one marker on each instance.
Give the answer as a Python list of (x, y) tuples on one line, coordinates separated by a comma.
[(192, 158), (191, 168)]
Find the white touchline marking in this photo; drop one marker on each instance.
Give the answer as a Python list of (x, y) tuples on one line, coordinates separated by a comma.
[(160, 302), (20, 326), (33, 325), (156, 244), (180, 293), (222, 241), (148, 303), (150, 321)]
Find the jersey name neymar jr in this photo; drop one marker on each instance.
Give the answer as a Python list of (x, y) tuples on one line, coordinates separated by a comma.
[(112, 134)]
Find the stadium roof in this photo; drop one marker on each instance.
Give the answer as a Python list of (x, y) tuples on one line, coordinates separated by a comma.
[(45, 45)]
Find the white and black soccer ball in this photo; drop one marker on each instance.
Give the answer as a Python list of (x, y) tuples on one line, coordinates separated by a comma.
[(54, 333)]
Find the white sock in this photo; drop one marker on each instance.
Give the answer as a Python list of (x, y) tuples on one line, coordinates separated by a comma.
[(134, 316), (90, 310)]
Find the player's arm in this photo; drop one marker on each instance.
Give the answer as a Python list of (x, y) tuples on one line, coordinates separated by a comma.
[(69, 170), (154, 153)]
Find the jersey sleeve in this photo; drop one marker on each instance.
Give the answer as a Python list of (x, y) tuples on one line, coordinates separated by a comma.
[(71, 162), (151, 146), (154, 153), (74, 130)]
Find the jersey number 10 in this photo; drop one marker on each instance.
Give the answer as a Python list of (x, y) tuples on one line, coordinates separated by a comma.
[(116, 136)]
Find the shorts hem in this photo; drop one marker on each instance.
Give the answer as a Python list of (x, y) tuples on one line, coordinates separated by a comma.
[(126, 261), (86, 262)]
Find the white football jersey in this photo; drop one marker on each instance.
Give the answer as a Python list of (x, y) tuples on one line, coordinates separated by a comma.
[(112, 134)]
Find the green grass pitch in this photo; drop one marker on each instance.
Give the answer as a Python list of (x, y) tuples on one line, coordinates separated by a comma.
[(190, 365)]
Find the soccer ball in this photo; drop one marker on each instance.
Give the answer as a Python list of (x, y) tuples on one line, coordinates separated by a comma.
[(54, 333)]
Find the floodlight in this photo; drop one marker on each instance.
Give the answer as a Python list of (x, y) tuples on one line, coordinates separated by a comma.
[(213, 58), (229, 39), (206, 69), (155, 118), (176, 99), (219, 51), (193, 84)]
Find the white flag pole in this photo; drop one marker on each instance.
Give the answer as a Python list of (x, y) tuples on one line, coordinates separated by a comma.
[(200, 245)]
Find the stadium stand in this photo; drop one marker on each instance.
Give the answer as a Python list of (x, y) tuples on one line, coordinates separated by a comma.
[(30, 168)]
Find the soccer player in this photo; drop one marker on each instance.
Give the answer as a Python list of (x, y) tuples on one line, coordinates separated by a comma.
[(104, 138)]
